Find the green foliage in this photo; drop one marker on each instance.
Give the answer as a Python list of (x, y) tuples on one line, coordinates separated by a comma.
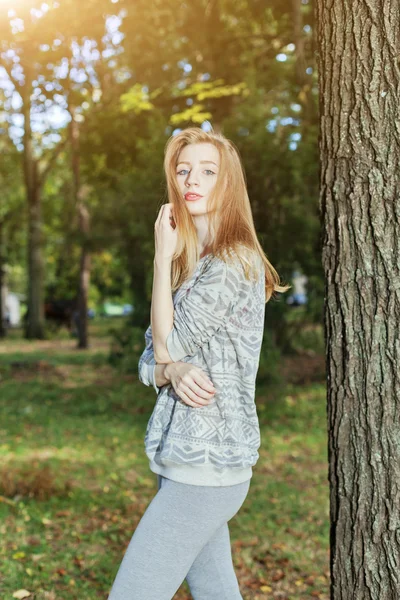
[(129, 100), (311, 339), (126, 347), (202, 92), (136, 100), (270, 360)]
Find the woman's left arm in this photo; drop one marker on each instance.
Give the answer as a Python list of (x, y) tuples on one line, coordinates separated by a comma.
[(200, 313), (180, 331), (162, 307)]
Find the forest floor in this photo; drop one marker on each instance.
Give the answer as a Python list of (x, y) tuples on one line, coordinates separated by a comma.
[(74, 478)]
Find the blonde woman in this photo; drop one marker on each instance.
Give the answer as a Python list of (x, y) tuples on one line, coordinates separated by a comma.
[(210, 285)]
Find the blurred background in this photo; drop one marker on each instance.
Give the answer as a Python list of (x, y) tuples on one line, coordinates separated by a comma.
[(90, 92)]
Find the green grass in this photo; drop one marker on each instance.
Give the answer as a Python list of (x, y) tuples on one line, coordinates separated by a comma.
[(75, 481)]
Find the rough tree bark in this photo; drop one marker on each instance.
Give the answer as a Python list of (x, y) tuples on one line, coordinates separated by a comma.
[(359, 79)]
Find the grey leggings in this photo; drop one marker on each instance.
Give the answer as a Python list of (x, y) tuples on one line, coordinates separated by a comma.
[(182, 534)]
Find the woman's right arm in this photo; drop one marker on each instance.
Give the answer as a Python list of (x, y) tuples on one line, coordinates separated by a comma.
[(159, 375), (152, 373), (191, 384), (148, 370)]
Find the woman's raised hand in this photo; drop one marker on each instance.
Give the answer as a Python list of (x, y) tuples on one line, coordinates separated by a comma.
[(190, 383), (165, 232)]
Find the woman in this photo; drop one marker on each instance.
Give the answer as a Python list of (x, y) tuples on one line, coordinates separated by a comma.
[(210, 285)]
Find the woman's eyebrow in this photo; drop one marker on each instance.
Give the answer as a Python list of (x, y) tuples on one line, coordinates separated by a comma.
[(185, 162)]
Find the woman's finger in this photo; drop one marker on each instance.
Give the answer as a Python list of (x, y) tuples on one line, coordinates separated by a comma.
[(189, 399), (193, 394), (185, 398), (201, 388), (204, 382)]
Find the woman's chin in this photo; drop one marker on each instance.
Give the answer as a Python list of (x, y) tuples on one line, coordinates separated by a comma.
[(197, 213), (195, 208)]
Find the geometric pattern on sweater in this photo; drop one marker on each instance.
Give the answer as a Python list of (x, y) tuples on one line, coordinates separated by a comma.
[(218, 326)]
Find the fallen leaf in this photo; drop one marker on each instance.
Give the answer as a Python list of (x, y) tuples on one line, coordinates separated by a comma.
[(36, 557), (278, 575), (21, 594)]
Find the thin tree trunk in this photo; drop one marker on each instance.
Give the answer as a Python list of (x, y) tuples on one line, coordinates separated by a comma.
[(84, 227), (359, 50), (84, 277), (35, 314), (137, 276), (298, 34), (304, 58), (3, 329)]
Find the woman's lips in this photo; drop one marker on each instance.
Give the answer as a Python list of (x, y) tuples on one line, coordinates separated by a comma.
[(192, 197)]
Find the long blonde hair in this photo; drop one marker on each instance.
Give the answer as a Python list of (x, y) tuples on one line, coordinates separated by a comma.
[(230, 217)]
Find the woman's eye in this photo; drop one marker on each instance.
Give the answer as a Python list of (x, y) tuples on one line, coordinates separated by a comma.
[(209, 170)]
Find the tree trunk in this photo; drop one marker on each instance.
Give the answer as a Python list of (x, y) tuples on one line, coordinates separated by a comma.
[(35, 314), (298, 34), (84, 278), (84, 227), (3, 329), (137, 276), (304, 58), (359, 78)]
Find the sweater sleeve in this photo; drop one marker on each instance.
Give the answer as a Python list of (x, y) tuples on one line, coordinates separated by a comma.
[(203, 310), (147, 363)]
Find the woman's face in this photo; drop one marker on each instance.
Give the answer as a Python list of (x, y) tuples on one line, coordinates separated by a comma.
[(197, 172)]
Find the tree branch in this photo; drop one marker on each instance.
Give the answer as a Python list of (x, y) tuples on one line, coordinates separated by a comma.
[(56, 152), (7, 69)]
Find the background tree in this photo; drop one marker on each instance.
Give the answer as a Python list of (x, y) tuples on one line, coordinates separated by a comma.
[(38, 46), (11, 216)]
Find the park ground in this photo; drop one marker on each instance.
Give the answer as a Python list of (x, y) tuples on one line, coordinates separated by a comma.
[(74, 478)]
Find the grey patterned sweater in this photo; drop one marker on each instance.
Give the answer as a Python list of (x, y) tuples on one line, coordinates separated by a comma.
[(218, 326)]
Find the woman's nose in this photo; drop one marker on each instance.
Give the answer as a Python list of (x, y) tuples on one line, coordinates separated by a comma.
[(192, 180)]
